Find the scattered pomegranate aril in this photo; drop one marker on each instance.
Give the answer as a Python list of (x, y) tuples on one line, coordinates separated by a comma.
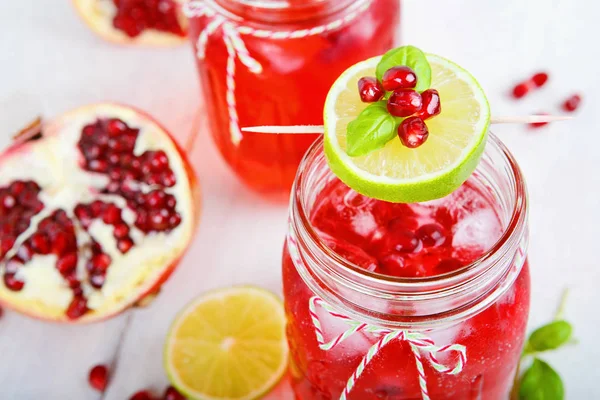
[(539, 79), (432, 235), (520, 90), (431, 104), (413, 132), (369, 89), (404, 102), (172, 394), (400, 77), (142, 395), (572, 103), (98, 378)]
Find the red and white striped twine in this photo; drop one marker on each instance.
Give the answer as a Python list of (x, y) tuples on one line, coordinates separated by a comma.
[(419, 343), (231, 32)]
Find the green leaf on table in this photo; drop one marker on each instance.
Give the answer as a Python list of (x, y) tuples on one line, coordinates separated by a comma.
[(371, 130), (549, 337), (541, 382), (409, 56)]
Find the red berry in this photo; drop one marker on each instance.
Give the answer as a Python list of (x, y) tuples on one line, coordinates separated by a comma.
[(539, 79), (369, 89), (431, 104), (520, 90), (572, 103), (432, 235), (535, 125), (400, 77), (172, 394), (404, 102), (98, 377), (413, 132)]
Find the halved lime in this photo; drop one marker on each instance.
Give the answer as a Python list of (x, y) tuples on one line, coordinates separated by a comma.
[(396, 173), (228, 344)]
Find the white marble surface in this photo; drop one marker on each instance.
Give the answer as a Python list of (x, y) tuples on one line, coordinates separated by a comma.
[(51, 62)]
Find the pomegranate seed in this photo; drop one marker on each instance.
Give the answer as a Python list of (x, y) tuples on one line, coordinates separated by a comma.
[(12, 283), (431, 104), (448, 265), (17, 187), (8, 201), (400, 77), (404, 102), (98, 378), (92, 152), (520, 90), (60, 243), (169, 179), (98, 165), (97, 280), (67, 263), (572, 103), (97, 207), (536, 125), (1, 312), (174, 220), (392, 264), (121, 231), (124, 245), (159, 161), (539, 79), (155, 198), (403, 241), (111, 215), (142, 395), (432, 235), (170, 201), (100, 262), (369, 89), (413, 132), (89, 130), (40, 243), (77, 308), (172, 394), (115, 127)]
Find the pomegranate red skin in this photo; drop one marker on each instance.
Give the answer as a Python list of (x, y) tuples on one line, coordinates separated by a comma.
[(151, 288)]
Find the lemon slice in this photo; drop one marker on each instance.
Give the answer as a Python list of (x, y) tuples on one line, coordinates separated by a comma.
[(396, 173), (228, 344)]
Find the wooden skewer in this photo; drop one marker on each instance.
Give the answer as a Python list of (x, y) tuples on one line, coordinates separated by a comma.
[(305, 129)]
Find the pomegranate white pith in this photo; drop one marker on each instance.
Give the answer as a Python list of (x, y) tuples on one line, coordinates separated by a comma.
[(99, 15), (120, 256)]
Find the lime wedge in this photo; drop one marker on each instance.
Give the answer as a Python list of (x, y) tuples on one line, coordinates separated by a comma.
[(228, 344), (396, 173)]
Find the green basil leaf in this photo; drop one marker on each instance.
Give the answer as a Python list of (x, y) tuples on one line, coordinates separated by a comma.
[(550, 336), (371, 130), (409, 56), (541, 382)]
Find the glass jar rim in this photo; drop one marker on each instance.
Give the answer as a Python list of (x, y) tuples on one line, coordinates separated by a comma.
[(502, 245), (280, 11)]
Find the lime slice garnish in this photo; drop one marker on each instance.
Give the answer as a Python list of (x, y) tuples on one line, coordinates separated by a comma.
[(396, 173), (228, 344)]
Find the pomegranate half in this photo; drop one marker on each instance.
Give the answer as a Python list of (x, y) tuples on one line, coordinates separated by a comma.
[(139, 22), (96, 208)]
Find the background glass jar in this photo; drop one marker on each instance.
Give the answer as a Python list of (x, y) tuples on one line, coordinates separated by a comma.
[(483, 306), (272, 62)]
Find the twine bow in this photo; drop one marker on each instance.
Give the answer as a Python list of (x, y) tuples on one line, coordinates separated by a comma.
[(419, 343), (232, 32)]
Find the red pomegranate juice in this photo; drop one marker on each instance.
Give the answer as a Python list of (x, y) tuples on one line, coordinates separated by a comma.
[(409, 241)]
